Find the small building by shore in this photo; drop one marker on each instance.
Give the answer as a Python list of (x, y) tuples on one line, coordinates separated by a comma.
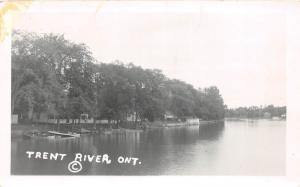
[(192, 120), (169, 116)]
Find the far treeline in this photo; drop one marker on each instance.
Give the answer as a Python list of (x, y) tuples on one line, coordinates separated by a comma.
[(57, 77), (257, 112)]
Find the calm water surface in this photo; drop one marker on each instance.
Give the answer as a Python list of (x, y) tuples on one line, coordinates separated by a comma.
[(230, 148)]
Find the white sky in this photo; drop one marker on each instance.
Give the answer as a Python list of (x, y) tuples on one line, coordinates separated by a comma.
[(238, 47)]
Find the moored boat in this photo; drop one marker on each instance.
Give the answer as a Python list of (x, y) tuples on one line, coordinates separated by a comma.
[(38, 135), (106, 132), (69, 134)]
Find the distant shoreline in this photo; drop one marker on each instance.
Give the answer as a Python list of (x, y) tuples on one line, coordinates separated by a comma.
[(243, 119)]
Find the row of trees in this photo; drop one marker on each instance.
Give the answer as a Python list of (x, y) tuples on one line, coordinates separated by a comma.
[(60, 78), (256, 112)]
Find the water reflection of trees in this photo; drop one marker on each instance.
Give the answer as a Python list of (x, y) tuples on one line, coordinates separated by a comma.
[(211, 131)]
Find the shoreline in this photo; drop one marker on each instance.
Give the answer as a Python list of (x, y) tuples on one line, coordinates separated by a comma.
[(183, 124), (20, 128)]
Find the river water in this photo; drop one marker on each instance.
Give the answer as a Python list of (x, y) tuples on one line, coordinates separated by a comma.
[(247, 147)]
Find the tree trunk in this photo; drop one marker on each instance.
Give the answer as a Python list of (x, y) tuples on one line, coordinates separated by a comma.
[(109, 123), (72, 126), (79, 124), (58, 125), (135, 122), (118, 124), (30, 113), (94, 122)]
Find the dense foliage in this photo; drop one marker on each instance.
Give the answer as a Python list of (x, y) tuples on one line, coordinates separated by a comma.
[(256, 112), (54, 76)]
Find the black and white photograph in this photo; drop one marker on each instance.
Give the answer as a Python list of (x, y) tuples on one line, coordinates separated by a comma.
[(144, 88)]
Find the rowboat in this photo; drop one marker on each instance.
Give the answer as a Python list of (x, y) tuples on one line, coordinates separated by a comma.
[(69, 134)]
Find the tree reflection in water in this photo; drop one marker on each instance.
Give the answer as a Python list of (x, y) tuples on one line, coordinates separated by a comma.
[(211, 131)]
